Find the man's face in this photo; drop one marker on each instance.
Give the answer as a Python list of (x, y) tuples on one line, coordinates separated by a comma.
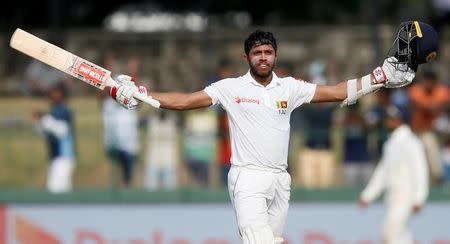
[(261, 60), (55, 96)]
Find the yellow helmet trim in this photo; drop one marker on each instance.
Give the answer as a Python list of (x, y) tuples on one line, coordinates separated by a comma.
[(418, 30)]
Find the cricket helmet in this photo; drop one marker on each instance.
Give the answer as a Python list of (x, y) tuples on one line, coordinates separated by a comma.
[(416, 43)]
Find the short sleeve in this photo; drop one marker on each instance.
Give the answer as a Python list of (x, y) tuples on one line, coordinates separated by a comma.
[(212, 92), (302, 92), (217, 90)]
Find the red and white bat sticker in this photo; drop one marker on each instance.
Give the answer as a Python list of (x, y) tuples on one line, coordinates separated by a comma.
[(91, 73)]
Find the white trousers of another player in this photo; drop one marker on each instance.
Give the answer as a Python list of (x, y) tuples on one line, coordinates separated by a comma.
[(260, 197), (396, 222), (59, 178)]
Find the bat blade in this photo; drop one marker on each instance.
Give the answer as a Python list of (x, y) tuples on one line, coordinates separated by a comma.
[(67, 62), (60, 59)]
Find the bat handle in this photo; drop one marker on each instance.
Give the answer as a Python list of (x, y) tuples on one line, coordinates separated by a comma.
[(360, 93), (142, 97), (146, 99)]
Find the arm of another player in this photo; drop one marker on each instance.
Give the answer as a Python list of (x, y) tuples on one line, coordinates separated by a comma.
[(375, 186)]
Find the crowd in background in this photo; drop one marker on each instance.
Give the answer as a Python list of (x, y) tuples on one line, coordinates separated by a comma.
[(330, 146), (351, 158)]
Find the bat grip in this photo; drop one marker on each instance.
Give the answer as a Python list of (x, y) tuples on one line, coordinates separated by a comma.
[(146, 99)]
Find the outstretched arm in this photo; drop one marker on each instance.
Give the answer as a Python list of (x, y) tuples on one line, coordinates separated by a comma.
[(182, 101), (349, 91), (124, 95), (335, 93)]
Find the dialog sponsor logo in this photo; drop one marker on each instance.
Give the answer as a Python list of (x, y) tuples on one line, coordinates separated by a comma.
[(239, 100)]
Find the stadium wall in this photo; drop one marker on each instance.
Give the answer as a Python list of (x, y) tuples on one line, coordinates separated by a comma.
[(308, 223)]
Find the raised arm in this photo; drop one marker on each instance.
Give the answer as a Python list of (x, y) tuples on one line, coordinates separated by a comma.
[(335, 93), (350, 91)]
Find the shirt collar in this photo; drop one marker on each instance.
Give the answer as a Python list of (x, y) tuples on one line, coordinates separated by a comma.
[(275, 80)]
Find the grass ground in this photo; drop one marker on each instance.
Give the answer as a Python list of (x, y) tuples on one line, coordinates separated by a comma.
[(23, 154)]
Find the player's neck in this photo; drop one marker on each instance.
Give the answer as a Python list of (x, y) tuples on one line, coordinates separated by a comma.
[(264, 81)]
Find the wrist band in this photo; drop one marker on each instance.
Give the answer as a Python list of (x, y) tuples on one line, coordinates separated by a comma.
[(366, 85), (351, 92)]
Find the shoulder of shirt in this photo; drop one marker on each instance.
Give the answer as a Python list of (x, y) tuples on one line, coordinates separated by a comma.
[(233, 81), (290, 79)]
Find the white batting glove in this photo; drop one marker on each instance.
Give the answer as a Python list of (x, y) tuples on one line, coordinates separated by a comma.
[(392, 77), (123, 93)]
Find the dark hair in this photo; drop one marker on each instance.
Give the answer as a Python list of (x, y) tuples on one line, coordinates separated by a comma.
[(60, 86), (396, 111), (258, 38)]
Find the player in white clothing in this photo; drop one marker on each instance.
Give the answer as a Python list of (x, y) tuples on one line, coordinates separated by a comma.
[(259, 105), (403, 174)]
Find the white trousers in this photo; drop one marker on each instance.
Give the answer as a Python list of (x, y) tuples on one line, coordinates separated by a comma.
[(259, 197), (59, 178), (396, 222)]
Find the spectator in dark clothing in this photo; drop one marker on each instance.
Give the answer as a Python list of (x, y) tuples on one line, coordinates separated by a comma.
[(57, 128), (317, 161), (357, 167)]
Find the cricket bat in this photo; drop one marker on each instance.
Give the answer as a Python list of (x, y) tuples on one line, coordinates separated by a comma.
[(67, 62)]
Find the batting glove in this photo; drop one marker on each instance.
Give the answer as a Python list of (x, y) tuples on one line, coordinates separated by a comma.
[(123, 92), (391, 76)]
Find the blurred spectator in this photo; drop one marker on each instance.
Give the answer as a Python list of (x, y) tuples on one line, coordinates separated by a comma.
[(317, 73), (375, 121), (162, 151), (445, 156), (402, 174), (121, 126), (121, 137), (443, 128), (441, 13), (357, 166), (224, 147), (400, 97), (57, 127), (200, 144), (224, 70), (428, 99), (283, 69), (40, 78), (317, 164)]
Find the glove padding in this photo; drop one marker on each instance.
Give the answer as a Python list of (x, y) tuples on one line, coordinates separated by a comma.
[(123, 92), (394, 77)]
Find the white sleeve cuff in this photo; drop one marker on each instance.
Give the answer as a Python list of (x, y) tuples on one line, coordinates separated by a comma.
[(211, 92), (351, 92)]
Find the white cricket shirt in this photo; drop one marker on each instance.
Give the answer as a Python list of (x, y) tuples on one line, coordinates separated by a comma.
[(402, 171), (259, 116)]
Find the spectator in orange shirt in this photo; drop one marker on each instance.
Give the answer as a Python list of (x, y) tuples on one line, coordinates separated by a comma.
[(428, 99)]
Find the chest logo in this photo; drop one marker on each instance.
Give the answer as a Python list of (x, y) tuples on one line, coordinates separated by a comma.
[(282, 107)]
